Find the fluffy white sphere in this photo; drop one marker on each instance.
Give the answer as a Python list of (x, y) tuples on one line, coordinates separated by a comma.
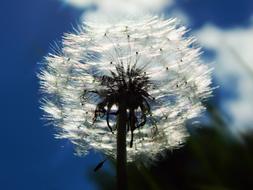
[(73, 80)]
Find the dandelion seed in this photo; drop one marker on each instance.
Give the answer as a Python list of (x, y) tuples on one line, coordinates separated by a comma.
[(147, 64)]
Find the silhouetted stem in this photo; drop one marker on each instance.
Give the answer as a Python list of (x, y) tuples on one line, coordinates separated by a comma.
[(121, 148)]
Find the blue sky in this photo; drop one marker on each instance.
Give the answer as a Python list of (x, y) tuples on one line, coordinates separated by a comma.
[(222, 13), (30, 156)]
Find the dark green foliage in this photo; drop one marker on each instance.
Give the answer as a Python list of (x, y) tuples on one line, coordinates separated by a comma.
[(209, 160)]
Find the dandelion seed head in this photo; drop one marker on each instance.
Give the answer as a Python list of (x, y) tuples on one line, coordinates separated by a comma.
[(150, 60)]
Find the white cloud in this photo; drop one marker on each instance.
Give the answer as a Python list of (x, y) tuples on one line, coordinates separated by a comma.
[(116, 10), (80, 3), (123, 5), (234, 58)]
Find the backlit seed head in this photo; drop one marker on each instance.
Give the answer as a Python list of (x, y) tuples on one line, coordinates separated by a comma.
[(163, 83)]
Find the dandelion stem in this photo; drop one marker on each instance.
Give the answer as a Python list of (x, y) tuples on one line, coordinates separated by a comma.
[(121, 148)]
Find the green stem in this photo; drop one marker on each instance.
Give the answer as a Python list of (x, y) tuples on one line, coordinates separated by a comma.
[(121, 148)]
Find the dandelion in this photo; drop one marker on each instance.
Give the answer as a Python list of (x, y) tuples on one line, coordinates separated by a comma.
[(129, 85)]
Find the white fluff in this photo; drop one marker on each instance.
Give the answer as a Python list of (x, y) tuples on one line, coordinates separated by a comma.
[(180, 82)]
